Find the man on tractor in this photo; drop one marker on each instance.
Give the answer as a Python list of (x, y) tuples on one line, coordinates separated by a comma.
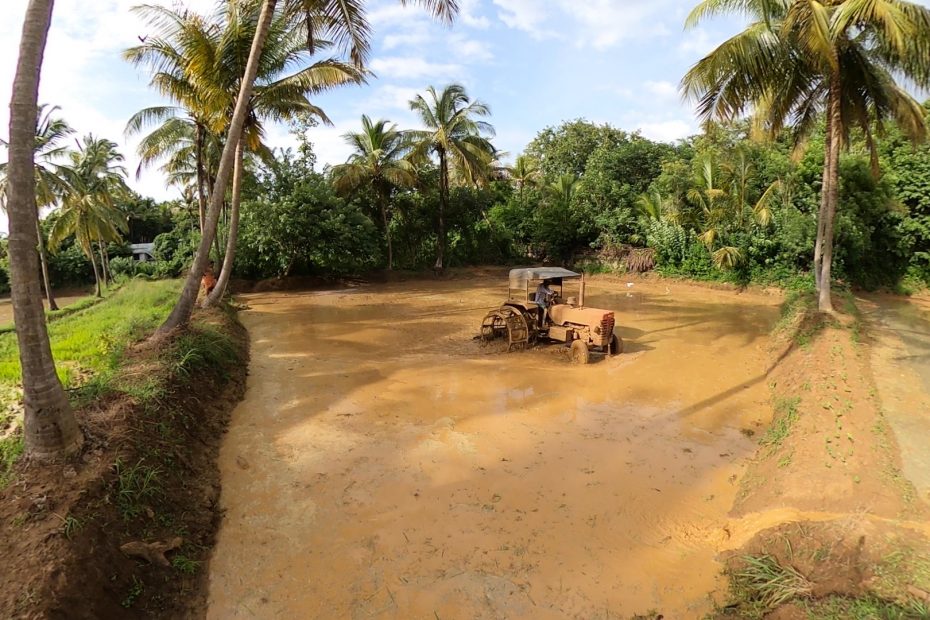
[(543, 299)]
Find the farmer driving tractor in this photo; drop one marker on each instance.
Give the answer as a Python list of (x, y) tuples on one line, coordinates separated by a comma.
[(544, 296)]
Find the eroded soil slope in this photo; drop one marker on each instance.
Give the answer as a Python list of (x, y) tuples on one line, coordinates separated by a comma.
[(386, 465)]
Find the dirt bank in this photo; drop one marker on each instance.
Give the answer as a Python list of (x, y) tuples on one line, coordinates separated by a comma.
[(147, 474), (834, 520), (384, 464)]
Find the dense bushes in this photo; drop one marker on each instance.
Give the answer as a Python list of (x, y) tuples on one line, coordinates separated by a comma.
[(717, 206)]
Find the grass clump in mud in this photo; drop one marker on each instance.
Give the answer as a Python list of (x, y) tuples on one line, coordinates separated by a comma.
[(800, 319), (786, 414), (762, 585)]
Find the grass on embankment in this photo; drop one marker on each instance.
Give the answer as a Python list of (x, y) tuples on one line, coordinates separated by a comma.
[(88, 346), (827, 450)]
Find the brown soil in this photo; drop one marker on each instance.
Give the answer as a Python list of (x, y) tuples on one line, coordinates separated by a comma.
[(840, 456), (385, 464), (62, 526)]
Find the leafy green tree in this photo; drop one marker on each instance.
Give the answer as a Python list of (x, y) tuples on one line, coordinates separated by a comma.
[(378, 164), (798, 57), (95, 182), (566, 149), (456, 136), (298, 225)]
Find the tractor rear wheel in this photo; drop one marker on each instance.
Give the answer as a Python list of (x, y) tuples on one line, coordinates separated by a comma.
[(580, 353), (616, 345)]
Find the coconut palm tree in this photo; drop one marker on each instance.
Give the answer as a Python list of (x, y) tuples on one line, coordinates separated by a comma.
[(50, 133), (341, 21), (456, 137), (800, 58), (178, 51), (50, 429), (378, 163), (524, 173), (96, 179), (278, 95)]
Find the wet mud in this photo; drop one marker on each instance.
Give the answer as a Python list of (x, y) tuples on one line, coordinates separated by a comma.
[(386, 465), (900, 360)]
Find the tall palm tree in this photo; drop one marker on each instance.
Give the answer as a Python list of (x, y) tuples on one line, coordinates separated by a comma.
[(279, 94), (49, 429), (525, 173), (378, 163), (342, 21), (800, 58), (96, 179), (457, 138), (50, 133), (178, 51)]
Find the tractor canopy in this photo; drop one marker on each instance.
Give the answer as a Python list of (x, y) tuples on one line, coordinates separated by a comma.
[(522, 277)]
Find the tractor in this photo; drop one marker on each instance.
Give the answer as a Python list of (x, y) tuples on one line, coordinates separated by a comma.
[(522, 322)]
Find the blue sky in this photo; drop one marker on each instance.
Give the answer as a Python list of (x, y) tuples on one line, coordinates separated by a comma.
[(535, 62)]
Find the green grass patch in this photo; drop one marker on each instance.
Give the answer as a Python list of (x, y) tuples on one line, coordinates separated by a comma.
[(863, 608), (786, 414), (90, 342), (762, 585), (800, 319)]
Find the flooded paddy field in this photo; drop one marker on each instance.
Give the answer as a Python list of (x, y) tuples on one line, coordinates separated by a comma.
[(384, 464)]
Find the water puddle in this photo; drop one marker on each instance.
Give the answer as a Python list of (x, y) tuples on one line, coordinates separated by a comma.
[(386, 465)]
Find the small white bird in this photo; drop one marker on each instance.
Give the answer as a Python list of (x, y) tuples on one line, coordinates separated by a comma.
[(629, 284)]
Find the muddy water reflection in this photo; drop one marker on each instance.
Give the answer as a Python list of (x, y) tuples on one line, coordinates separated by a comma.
[(386, 465)]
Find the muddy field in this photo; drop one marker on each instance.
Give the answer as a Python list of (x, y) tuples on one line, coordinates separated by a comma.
[(63, 298), (385, 464)]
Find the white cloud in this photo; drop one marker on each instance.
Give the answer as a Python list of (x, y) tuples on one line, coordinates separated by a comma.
[(469, 17), (662, 88), (526, 15), (697, 43), (470, 49), (666, 131), (412, 67)]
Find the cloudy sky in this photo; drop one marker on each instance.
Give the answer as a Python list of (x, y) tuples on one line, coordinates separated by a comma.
[(535, 62)]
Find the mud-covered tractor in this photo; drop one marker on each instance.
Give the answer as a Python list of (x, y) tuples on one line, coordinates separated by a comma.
[(522, 322)]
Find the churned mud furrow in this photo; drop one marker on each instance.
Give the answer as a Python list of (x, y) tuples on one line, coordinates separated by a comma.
[(384, 464)]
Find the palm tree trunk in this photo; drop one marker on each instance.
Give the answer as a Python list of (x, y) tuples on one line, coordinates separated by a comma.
[(824, 192), (103, 265), (443, 199), (201, 192), (181, 313), (228, 260), (387, 229), (93, 263), (833, 166), (49, 429), (52, 304)]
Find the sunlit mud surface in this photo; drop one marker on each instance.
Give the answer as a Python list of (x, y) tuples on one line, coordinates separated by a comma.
[(900, 359), (386, 465)]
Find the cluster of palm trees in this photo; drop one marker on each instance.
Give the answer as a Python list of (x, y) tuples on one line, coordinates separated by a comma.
[(198, 62), (85, 184), (721, 196), (220, 100), (386, 159), (801, 60)]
